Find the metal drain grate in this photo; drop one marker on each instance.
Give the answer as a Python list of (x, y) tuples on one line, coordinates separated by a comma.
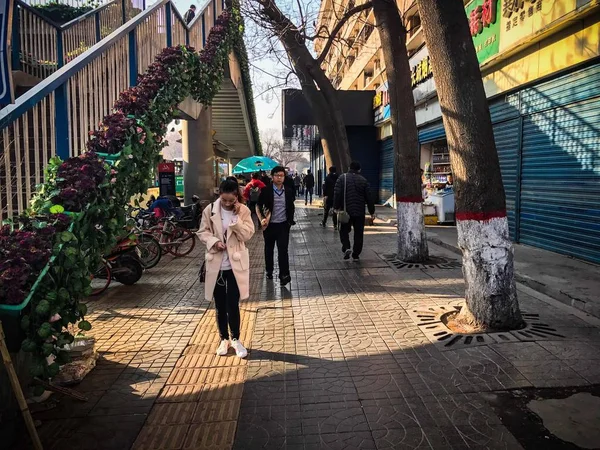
[(429, 320), (433, 263)]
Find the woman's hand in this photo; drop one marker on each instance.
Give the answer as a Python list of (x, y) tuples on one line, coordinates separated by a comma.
[(236, 207), (263, 224), (220, 246)]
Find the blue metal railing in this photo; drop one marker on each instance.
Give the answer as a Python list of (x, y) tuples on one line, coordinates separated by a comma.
[(55, 116)]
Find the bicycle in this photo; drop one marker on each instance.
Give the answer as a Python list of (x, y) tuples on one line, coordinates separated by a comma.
[(173, 238)]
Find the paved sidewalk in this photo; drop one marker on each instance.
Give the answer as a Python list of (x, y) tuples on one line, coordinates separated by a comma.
[(571, 281), (351, 356)]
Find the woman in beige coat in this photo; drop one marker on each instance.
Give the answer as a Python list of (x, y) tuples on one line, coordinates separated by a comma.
[(225, 228)]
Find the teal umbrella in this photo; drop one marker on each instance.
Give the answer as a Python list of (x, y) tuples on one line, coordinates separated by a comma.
[(254, 164)]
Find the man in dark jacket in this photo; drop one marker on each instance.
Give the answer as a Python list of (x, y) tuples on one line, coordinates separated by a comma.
[(275, 208), (351, 194), (328, 193), (309, 184)]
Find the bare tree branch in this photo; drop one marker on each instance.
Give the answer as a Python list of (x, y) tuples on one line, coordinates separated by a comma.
[(339, 26)]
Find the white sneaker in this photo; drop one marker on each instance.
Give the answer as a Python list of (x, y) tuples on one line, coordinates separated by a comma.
[(223, 347), (240, 350)]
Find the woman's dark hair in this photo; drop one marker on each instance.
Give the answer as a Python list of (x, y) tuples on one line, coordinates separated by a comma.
[(255, 175), (229, 186)]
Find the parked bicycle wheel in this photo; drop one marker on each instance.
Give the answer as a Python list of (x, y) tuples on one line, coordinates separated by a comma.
[(183, 242), (149, 250), (101, 279)]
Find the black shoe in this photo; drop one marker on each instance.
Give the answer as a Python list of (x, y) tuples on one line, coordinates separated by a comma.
[(355, 258), (285, 280), (323, 224), (335, 228), (269, 276), (347, 254)]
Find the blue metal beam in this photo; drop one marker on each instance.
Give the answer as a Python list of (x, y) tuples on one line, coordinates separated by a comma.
[(133, 64), (16, 40), (169, 23)]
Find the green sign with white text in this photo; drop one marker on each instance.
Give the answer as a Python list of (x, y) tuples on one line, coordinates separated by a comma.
[(484, 24)]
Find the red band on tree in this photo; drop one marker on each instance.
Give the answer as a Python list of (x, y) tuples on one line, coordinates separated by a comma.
[(410, 199), (481, 216)]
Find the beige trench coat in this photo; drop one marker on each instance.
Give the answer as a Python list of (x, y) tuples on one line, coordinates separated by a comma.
[(211, 232)]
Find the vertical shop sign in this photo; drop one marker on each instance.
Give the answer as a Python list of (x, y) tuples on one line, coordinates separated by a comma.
[(166, 178), (381, 104), (6, 91), (484, 24), (522, 18)]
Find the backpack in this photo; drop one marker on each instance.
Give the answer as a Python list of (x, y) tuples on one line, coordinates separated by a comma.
[(254, 194)]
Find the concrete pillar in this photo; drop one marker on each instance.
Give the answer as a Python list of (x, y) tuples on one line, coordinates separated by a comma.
[(198, 157)]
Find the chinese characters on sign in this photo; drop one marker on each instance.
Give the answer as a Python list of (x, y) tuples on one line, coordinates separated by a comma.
[(421, 72), (483, 16), (517, 10), (484, 25)]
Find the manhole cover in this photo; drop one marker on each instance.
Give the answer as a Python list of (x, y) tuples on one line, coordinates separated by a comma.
[(429, 320), (434, 262)]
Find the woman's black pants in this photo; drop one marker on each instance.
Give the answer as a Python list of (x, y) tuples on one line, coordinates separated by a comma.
[(227, 303)]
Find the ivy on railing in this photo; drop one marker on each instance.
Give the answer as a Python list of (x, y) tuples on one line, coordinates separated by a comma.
[(94, 188)]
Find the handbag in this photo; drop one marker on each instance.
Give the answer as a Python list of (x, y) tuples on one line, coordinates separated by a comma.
[(343, 216)]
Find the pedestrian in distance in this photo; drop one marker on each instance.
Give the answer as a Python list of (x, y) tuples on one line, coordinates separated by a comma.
[(309, 184), (275, 210), (189, 15), (297, 184), (252, 191), (225, 228), (328, 194), (350, 195)]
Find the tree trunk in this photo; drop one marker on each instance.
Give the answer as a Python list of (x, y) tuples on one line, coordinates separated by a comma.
[(491, 297), (323, 101), (412, 241)]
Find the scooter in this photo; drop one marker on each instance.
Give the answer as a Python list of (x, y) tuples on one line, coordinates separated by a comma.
[(123, 264)]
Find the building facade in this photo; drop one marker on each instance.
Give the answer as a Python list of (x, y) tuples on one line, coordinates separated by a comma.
[(540, 62)]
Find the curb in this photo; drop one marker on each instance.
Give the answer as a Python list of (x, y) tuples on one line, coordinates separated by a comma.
[(542, 288)]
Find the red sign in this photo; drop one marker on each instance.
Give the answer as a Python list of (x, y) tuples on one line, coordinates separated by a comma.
[(166, 167), (482, 16)]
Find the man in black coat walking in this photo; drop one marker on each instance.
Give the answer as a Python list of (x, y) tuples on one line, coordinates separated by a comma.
[(309, 184), (328, 193), (351, 194), (275, 209)]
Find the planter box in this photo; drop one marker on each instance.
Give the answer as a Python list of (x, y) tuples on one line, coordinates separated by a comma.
[(10, 315), (109, 157)]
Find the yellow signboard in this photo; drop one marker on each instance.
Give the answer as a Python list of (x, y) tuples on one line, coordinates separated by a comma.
[(523, 18)]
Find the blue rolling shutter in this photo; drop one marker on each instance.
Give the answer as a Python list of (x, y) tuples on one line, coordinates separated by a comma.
[(506, 136), (386, 172), (560, 188), (432, 133)]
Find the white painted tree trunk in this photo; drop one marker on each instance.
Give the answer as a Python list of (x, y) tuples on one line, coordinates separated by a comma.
[(488, 268), (412, 240)]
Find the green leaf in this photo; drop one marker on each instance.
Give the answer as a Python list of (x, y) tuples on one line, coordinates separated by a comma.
[(82, 309), (84, 325), (53, 369), (28, 345), (63, 294), (45, 331), (47, 349), (43, 308), (57, 209), (67, 236), (37, 389)]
